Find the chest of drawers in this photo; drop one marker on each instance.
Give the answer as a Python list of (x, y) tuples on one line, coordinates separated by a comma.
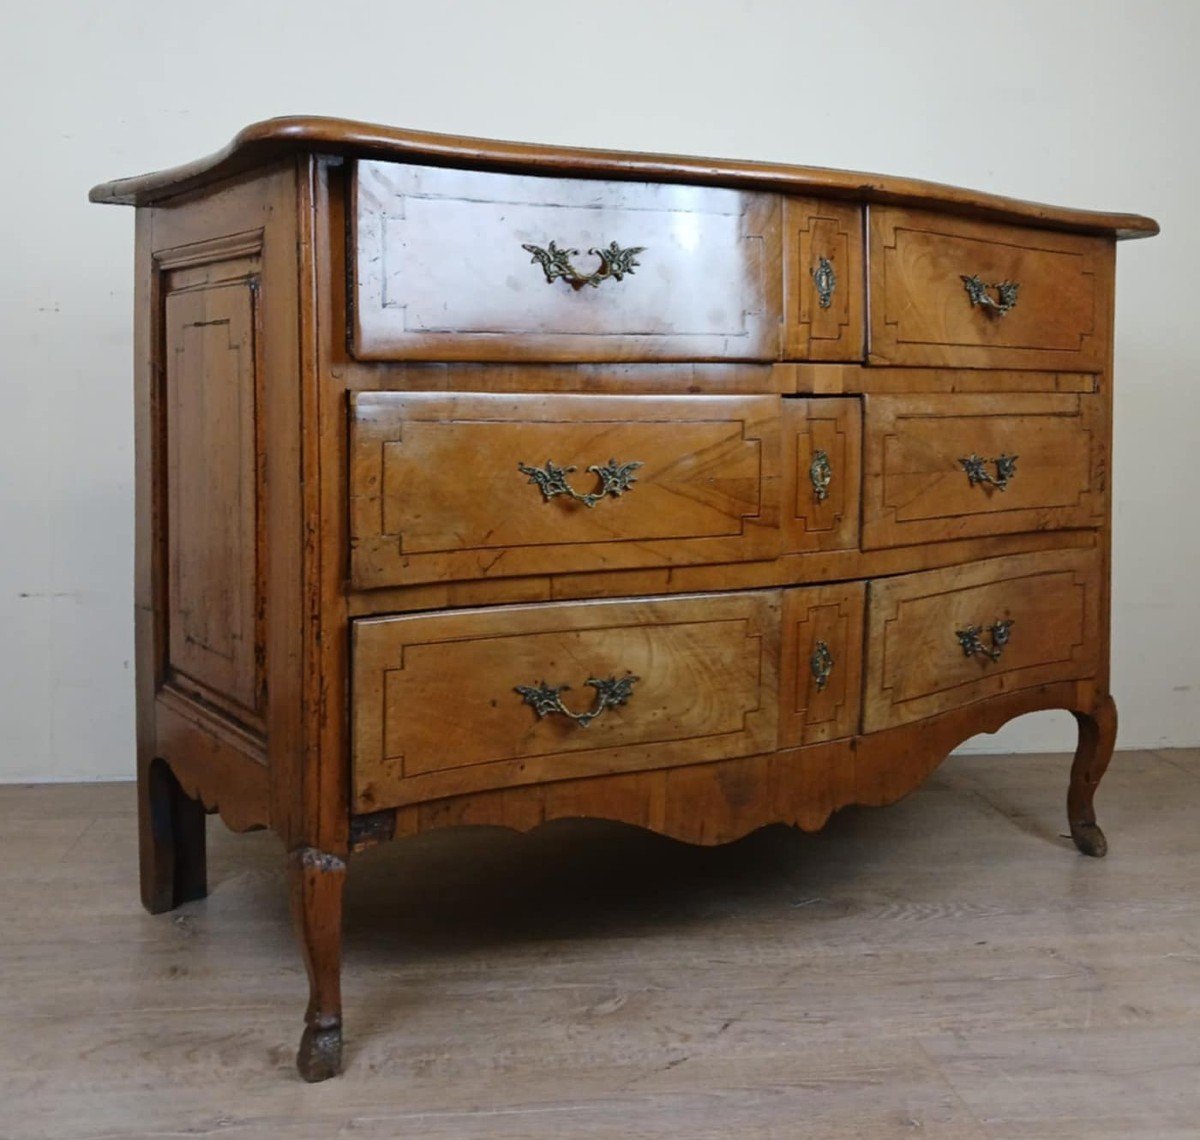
[(488, 484)]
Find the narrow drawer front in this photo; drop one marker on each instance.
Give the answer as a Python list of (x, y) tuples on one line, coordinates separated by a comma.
[(963, 466), (944, 638), (820, 676), (824, 286), (471, 265), (451, 487), (822, 467), (447, 703), (946, 291)]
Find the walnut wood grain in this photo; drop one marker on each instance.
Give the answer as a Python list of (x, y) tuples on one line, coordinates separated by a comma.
[(847, 379), (215, 357), (253, 496), (443, 268), (613, 378), (268, 141), (811, 709), (725, 800), (916, 487), (436, 708), (786, 570), (438, 491), (816, 230), (813, 428), (922, 314), (212, 390), (916, 666)]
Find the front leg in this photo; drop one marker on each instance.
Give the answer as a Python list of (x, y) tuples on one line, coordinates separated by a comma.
[(1097, 737), (317, 881)]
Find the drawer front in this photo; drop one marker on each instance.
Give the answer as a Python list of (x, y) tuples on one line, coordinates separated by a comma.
[(470, 265), (824, 287), (822, 465), (454, 702), (945, 638), (964, 466), (935, 296), (820, 675), (448, 487)]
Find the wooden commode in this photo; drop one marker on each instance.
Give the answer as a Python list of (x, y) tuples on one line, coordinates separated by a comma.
[(482, 483)]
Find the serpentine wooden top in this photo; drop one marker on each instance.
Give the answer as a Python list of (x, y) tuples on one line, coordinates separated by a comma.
[(264, 142)]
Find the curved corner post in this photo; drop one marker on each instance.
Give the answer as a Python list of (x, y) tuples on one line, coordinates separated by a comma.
[(171, 841), (317, 882), (1097, 737)]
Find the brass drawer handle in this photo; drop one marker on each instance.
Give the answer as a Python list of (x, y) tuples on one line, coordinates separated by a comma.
[(976, 468), (972, 644), (820, 474), (615, 262), (825, 280), (615, 479), (821, 663), (1006, 294), (610, 693)]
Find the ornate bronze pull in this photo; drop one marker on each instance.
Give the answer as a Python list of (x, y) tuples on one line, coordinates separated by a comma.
[(615, 479), (615, 262), (972, 644), (825, 280), (821, 663), (820, 474), (976, 468), (1006, 294), (545, 700)]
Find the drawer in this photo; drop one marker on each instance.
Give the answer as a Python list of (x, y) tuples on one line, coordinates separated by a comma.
[(447, 487), (963, 466), (944, 638), (822, 466), (824, 286), (820, 674), (461, 701), (935, 296), (472, 265)]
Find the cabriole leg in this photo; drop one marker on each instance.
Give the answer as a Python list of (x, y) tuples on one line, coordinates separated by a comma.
[(317, 880), (171, 846), (1097, 736)]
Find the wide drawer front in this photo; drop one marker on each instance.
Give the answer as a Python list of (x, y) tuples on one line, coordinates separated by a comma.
[(453, 487), (947, 291), (944, 638), (964, 466), (445, 703), (471, 265)]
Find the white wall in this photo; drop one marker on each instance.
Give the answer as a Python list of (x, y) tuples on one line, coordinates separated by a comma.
[(1090, 104)]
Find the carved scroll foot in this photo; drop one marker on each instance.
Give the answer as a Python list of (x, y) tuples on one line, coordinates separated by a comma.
[(317, 882), (1097, 737), (172, 855)]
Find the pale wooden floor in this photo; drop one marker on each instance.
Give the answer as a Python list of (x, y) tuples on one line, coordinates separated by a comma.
[(947, 967)]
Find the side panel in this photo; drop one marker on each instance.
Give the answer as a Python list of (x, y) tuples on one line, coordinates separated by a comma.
[(210, 398), (220, 518)]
